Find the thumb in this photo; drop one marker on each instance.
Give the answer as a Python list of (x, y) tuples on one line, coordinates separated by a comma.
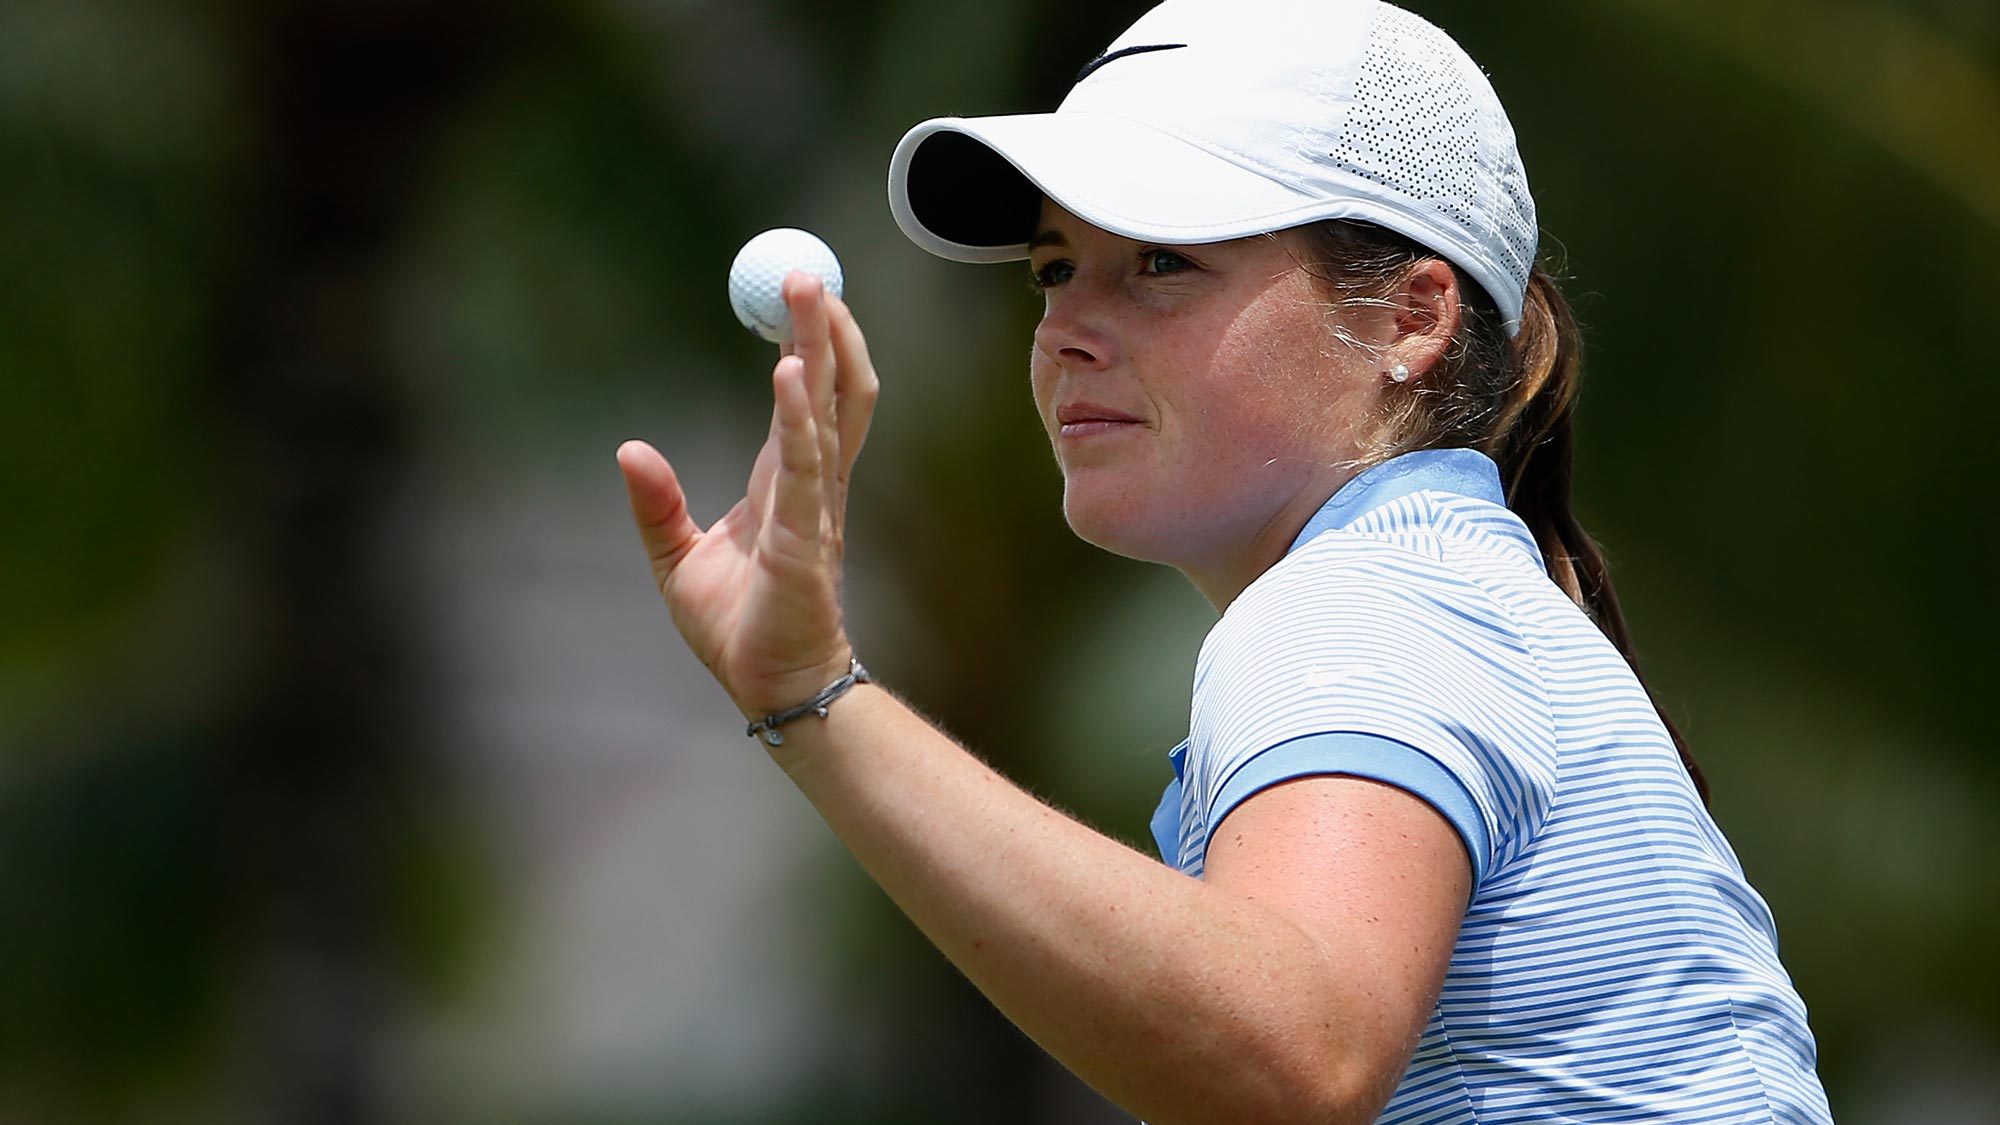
[(659, 507)]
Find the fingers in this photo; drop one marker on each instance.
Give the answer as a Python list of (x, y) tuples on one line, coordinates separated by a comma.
[(857, 387), (812, 338), (798, 490), (659, 507), (839, 374), (812, 342)]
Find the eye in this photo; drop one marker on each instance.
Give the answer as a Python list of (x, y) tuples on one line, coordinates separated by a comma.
[(1051, 274), (1158, 261)]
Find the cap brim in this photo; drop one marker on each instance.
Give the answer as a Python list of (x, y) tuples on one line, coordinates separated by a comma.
[(970, 189)]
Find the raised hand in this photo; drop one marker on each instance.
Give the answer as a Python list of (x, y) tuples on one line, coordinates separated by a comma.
[(757, 595)]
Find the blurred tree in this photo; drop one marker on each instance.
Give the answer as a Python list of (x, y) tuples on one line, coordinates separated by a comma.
[(267, 839)]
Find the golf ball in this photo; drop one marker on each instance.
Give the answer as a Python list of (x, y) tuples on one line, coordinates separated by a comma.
[(758, 272)]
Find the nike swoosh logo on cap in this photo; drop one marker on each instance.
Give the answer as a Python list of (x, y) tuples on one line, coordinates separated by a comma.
[(1121, 53)]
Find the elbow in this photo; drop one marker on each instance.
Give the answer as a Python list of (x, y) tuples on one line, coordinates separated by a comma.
[(1320, 1087), (1338, 1096), (1276, 1081)]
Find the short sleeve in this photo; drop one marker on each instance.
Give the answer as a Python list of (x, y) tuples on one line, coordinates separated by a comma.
[(1363, 755), (1376, 661)]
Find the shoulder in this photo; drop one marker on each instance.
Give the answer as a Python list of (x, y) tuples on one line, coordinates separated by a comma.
[(1395, 637), (1349, 623), (1409, 590)]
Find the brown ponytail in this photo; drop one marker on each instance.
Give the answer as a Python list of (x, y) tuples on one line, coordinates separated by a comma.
[(1536, 448), (1512, 399)]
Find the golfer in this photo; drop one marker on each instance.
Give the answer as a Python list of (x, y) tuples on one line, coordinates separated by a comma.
[(1431, 852)]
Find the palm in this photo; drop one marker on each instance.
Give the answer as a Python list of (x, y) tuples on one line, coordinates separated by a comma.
[(743, 609)]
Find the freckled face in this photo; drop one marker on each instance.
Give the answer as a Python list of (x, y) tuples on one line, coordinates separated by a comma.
[(1198, 403)]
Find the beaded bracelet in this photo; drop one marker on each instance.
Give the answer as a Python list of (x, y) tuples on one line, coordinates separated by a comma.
[(769, 724)]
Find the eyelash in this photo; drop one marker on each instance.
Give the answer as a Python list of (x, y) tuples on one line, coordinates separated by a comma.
[(1041, 280)]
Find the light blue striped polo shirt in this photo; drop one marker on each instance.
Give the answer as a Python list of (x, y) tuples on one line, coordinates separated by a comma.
[(1614, 965)]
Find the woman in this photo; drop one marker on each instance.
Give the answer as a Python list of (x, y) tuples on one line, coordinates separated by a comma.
[(1447, 863)]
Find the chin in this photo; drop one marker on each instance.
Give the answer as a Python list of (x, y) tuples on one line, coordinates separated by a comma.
[(1118, 525)]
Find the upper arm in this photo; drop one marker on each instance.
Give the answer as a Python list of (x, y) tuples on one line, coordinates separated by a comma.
[(1377, 877)]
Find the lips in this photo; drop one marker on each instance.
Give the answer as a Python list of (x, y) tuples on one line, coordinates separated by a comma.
[(1076, 413), (1077, 421)]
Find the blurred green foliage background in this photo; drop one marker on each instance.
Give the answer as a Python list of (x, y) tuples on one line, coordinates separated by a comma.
[(350, 772)]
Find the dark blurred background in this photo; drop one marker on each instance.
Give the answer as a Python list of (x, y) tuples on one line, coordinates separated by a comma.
[(351, 772)]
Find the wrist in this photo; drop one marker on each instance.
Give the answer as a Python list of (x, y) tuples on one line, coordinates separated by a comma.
[(768, 691), (770, 726)]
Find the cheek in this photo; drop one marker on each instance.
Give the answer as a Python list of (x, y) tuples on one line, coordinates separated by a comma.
[(1276, 397)]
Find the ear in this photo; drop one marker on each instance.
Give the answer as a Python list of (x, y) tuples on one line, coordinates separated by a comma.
[(1426, 318)]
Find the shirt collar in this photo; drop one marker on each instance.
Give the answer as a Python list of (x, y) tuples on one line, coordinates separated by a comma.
[(1461, 472)]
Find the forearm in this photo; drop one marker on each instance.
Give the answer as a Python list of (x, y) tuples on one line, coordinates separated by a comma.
[(1179, 1001)]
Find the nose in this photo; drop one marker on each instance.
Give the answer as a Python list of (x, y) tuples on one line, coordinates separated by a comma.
[(1073, 333)]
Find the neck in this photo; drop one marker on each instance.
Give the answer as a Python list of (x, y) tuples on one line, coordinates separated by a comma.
[(1221, 580)]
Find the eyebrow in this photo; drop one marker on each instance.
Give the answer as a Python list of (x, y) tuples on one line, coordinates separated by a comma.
[(1047, 238)]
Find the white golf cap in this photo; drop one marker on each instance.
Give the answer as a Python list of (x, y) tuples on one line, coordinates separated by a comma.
[(1216, 119)]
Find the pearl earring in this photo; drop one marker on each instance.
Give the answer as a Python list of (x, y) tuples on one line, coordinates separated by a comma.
[(1400, 373)]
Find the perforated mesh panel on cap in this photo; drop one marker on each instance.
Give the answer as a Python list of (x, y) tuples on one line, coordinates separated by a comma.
[(1422, 124)]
